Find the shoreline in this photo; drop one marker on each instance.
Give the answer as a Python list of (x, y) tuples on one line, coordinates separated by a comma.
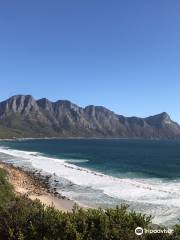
[(55, 181), (36, 186), (83, 138)]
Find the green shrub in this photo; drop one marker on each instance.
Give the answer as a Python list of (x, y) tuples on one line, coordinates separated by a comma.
[(24, 219), (6, 190)]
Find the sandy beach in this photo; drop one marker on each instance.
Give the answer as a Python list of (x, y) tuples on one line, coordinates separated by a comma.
[(25, 184)]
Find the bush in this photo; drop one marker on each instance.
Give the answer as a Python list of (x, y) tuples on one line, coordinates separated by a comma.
[(6, 190), (24, 219)]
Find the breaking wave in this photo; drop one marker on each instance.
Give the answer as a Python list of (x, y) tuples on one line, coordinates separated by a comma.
[(156, 196)]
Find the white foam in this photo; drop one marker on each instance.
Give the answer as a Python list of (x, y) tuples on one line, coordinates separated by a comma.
[(163, 197)]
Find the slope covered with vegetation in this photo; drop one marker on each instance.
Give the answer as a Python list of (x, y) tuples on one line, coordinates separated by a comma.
[(24, 219)]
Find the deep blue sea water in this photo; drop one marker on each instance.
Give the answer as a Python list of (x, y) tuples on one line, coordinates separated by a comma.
[(95, 172)]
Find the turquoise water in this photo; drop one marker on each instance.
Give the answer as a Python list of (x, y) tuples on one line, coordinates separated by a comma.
[(130, 158), (143, 173)]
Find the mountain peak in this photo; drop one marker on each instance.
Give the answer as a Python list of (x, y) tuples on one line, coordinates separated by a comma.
[(160, 119), (166, 118), (164, 115), (19, 96), (44, 101), (65, 119), (19, 103)]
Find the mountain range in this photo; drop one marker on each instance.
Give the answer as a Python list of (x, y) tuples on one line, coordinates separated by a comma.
[(23, 116)]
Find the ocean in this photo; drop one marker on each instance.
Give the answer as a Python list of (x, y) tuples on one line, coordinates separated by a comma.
[(145, 174)]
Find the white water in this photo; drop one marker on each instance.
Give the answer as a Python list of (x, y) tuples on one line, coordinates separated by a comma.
[(160, 198)]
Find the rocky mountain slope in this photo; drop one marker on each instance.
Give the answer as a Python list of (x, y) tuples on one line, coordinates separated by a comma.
[(23, 116)]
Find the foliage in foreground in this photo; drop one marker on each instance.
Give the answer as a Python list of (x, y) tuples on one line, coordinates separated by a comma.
[(23, 219)]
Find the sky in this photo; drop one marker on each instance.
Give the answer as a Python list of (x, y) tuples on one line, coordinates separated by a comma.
[(122, 54)]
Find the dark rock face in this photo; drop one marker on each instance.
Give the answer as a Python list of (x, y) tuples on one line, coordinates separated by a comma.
[(30, 118)]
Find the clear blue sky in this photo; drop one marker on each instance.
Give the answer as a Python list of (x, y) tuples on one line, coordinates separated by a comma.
[(123, 54)]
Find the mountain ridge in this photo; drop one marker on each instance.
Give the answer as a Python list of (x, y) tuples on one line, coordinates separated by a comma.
[(23, 116)]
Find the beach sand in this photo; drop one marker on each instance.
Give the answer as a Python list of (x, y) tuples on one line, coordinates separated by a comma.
[(25, 184)]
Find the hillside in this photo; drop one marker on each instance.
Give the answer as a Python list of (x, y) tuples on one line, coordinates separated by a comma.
[(23, 116)]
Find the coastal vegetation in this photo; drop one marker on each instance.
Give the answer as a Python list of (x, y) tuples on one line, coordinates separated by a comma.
[(24, 219)]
